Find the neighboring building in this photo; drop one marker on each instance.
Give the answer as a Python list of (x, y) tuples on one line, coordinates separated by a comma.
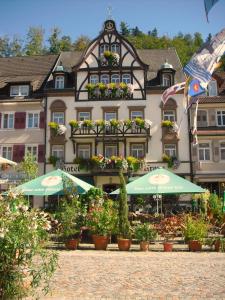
[(22, 115), (209, 155), (147, 74)]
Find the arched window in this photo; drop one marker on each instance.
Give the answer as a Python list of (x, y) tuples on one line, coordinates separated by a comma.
[(115, 48), (115, 78), (59, 82), (166, 80), (94, 79), (105, 78), (103, 48), (126, 78)]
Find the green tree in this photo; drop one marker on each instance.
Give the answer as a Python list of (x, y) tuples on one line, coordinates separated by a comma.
[(198, 40), (35, 38), (124, 224), (81, 43), (4, 46), (124, 29), (54, 41), (29, 167), (66, 43), (136, 31), (16, 46)]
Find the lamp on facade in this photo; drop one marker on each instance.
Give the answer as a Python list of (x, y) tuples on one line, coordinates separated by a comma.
[(158, 198)]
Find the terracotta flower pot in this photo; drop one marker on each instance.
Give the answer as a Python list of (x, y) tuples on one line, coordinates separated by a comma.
[(144, 246), (100, 241), (124, 244), (168, 247), (195, 245), (72, 244)]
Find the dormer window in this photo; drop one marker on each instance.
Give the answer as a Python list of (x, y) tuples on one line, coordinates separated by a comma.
[(103, 48), (212, 88), (126, 78), (105, 78), (19, 90), (94, 79), (115, 78), (59, 82), (115, 48), (166, 80)]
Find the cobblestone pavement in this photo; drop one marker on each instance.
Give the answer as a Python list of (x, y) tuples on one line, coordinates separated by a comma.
[(106, 275)]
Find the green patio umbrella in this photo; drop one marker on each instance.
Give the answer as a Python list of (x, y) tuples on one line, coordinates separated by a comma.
[(51, 184), (161, 181)]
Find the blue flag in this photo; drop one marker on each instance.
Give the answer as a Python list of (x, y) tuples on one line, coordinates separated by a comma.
[(208, 5), (195, 88)]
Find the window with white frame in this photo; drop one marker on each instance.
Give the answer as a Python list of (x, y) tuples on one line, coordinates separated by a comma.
[(110, 115), (84, 150), (58, 117), (7, 152), (169, 115), (204, 151), (126, 78), (94, 79), (137, 150), (166, 80), (115, 48), (32, 149), (8, 120), (222, 151), (212, 88), (105, 78), (59, 82), (110, 150), (19, 90), (221, 117), (136, 114), (33, 120), (84, 115), (202, 118), (170, 150), (58, 151), (115, 78), (103, 48)]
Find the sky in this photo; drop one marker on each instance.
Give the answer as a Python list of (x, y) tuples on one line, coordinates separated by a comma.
[(76, 17)]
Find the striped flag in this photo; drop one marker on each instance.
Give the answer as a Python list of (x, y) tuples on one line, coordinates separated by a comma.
[(172, 91), (203, 63)]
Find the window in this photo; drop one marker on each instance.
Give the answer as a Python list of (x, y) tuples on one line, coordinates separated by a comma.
[(33, 120), (32, 150), (115, 48), (94, 79), (84, 115), (8, 121), (103, 48), (58, 117), (202, 118), (137, 150), (110, 150), (170, 150), (222, 151), (7, 152), (221, 118), (58, 151), (19, 90), (105, 78), (115, 78), (59, 82), (136, 114), (204, 151), (83, 151), (166, 80), (126, 78), (169, 115), (212, 88), (110, 115)]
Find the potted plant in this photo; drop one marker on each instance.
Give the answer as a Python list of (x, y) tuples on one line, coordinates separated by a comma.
[(168, 229), (70, 216), (124, 233), (195, 231), (145, 233), (167, 124), (101, 220), (54, 127)]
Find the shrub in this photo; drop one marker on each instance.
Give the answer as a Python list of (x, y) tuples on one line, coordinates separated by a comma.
[(145, 232), (195, 229)]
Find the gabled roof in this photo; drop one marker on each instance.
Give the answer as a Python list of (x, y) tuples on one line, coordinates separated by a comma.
[(33, 69)]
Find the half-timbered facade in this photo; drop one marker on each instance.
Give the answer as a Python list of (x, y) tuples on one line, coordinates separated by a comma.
[(109, 100)]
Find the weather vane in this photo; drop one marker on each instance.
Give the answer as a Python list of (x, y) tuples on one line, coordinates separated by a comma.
[(109, 12)]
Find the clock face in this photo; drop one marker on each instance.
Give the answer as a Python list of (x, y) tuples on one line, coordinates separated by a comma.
[(109, 26)]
